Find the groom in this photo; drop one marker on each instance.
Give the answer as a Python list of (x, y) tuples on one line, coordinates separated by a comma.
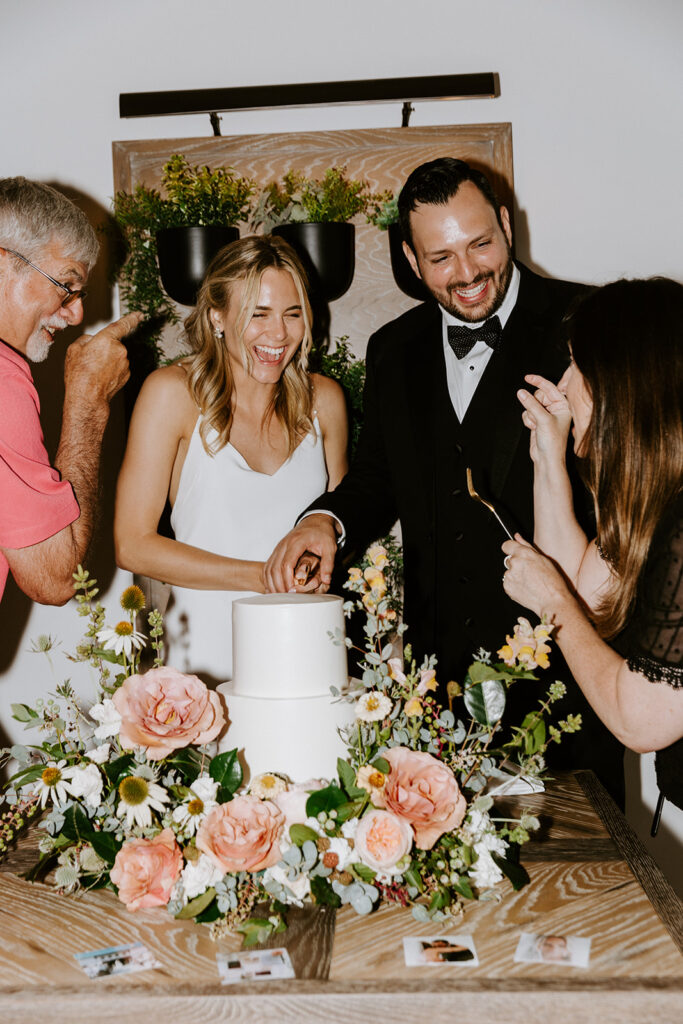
[(440, 398)]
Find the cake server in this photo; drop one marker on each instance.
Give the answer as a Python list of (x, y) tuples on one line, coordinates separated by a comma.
[(478, 497)]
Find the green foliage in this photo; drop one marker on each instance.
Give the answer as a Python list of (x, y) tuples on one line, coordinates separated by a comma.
[(349, 371), (226, 770), (334, 198), (194, 196), (383, 212)]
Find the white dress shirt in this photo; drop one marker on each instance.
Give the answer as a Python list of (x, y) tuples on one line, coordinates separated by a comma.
[(463, 375)]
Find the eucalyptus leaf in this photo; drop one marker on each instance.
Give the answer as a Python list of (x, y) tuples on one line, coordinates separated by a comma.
[(197, 905)]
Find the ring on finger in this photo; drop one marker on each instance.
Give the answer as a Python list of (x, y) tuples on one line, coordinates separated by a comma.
[(506, 561)]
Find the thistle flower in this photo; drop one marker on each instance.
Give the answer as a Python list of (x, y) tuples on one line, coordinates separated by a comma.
[(121, 639), (138, 798), (132, 599)]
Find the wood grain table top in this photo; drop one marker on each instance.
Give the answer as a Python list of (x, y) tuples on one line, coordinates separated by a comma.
[(590, 877)]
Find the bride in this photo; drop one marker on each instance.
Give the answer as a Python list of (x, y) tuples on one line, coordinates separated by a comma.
[(239, 437)]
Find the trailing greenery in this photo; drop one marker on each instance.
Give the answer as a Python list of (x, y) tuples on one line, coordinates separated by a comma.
[(383, 213), (298, 199), (349, 371), (194, 196)]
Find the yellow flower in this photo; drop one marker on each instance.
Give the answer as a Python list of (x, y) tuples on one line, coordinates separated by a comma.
[(413, 708), (378, 556), (355, 574), (506, 654), (376, 580)]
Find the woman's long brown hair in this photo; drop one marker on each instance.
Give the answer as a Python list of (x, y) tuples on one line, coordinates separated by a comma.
[(626, 339)]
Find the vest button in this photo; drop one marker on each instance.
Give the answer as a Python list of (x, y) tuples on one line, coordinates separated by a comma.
[(457, 492), (458, 448), (469, 621), (464, 579), (459, 535)]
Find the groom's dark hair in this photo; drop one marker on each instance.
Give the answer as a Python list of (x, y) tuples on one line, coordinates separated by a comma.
[(435, 183)]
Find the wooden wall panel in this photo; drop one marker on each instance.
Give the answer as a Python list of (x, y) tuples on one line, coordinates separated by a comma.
[(383, 156)]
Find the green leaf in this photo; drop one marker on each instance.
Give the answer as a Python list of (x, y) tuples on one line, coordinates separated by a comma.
[(77, 826), (299, 834), (23, 713), (485, 701), (353, 809), (464, 888), (255, 930), (480, 671), (364, 872), (27, 775), (226, 770), (413, 877), (188, 761), (347, 777), (515, 872), (439, 900), (327, 799), (323, 893), (118, 769), (105, 846), (381, 765), (212, 913), (41, 868), (197, 905)]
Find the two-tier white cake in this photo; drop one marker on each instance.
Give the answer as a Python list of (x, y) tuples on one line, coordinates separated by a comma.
[(282, 717)]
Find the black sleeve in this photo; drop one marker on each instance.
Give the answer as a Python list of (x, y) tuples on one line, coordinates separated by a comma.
[(653, 641), (365, 501)]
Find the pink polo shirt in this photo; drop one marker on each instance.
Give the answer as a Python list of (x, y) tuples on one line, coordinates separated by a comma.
[(35, 503)]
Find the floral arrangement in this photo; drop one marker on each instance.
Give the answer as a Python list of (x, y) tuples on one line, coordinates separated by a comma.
[(135, 797)]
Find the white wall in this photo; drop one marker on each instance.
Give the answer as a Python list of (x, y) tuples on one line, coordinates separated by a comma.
[(592, 89)]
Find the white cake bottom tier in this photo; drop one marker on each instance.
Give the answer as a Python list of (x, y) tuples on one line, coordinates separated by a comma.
[(293, 736)]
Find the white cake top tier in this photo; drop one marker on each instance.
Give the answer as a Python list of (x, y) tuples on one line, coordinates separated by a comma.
[(282, 645)]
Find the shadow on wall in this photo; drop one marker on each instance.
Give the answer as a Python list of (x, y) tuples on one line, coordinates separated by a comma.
[(666, 848), (49, 380)]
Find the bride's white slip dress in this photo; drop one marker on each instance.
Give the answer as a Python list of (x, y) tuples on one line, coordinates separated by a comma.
[(225, 506)]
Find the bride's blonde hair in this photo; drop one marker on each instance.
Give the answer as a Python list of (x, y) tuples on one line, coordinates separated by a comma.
[(210, 377)]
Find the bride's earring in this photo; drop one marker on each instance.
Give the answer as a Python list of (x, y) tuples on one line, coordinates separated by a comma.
[(217, 332)]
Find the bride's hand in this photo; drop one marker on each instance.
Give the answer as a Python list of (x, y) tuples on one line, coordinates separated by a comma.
[(546, 414)]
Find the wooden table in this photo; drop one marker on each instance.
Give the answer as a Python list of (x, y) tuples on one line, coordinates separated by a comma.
[(590, 876)]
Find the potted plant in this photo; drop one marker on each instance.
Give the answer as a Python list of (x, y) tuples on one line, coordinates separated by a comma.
[(313, 214), (182, 229), (384, 215)]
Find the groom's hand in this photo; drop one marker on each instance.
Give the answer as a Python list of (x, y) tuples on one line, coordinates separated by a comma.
[(291, 563)]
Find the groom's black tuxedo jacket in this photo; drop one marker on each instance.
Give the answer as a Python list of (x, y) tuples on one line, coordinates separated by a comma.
[(411, 461)]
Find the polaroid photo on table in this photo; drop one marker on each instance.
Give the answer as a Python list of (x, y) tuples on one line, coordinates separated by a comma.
[(449, 950), (254, 965), (550, 948), (103, 963)]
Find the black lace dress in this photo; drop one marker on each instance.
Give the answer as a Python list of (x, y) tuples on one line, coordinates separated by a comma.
[(652, 643)]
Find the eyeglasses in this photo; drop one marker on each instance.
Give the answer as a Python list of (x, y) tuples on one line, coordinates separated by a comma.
[(72, 294)]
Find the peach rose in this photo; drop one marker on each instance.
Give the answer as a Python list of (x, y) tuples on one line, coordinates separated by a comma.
[(242, 835), (163, 710), (145, 870), (382, 839), (424, 792)]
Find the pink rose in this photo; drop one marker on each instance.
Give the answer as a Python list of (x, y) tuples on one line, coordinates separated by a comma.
[(293, 801), (145, 870), (382, 839), (424, 792), (163, 710), (243, 834)]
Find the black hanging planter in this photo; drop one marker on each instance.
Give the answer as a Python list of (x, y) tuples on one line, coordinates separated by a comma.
[(404, 275), (184, 255), (328, 252)]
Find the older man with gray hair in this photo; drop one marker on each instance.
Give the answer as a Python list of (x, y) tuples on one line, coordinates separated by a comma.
[(47, 514)]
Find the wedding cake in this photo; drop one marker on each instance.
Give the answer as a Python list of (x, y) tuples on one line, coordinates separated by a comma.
[(282, 717)]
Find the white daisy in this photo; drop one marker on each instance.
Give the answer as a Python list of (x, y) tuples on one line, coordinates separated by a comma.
[(373, 706), (139, 798), (190, 814), (109, 718), (54, 783), (121, 639), (267, 785)]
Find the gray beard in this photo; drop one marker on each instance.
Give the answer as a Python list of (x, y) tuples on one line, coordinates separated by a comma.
[(37, 348)]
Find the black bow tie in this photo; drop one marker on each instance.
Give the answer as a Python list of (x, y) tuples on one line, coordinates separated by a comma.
[(462, 339)]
